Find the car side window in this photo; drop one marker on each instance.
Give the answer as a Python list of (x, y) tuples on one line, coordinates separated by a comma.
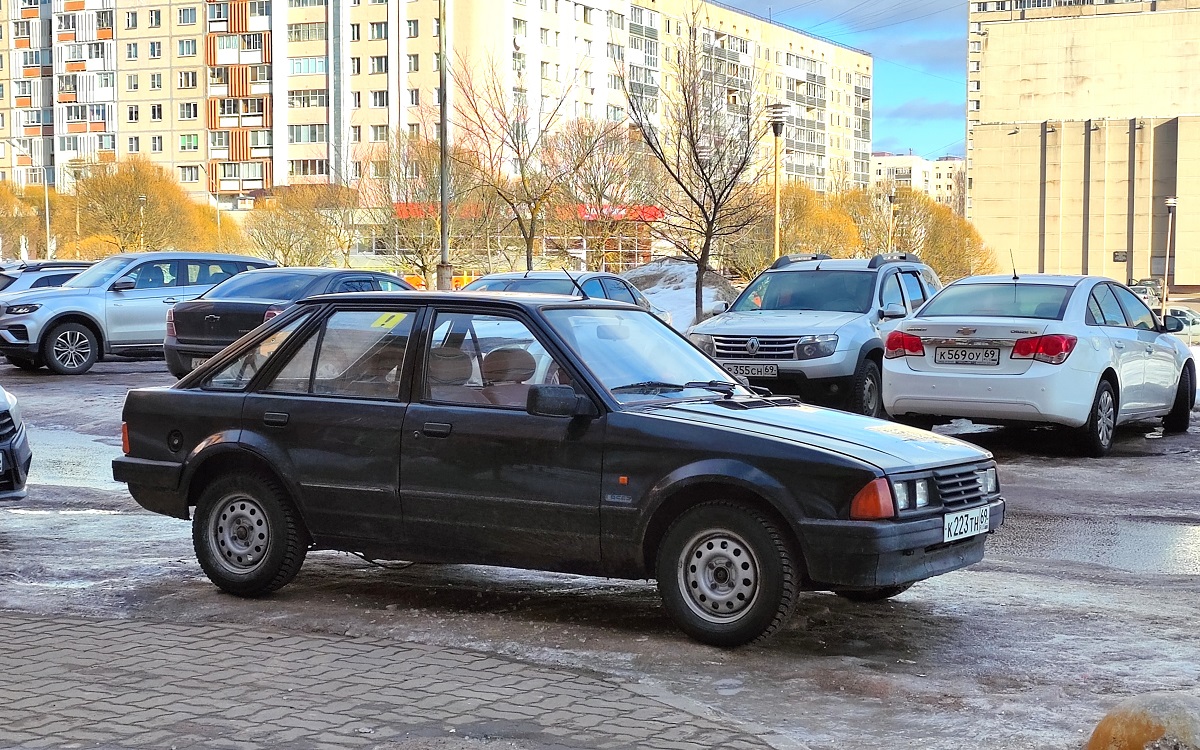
[(209, 273), (155, 275), (615, 290), (889, 294), (639, 299), (237, 374), (592, 288), (931, 280), (52, 280), (355, 285), (1110, 313), (913, 288), (1139, 315), (390, 285), (486, 360)]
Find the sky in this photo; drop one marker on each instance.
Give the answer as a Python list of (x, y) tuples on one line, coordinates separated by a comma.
[(920, 60)]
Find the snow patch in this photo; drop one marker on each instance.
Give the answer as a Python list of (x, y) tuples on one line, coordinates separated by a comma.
[(670, 284)]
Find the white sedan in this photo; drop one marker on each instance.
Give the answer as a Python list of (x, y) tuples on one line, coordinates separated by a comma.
[(1079, 351)]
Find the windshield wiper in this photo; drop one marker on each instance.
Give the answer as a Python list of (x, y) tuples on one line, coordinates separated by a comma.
[(719, 386)]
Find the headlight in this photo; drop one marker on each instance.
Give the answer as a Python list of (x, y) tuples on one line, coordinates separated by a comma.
[(703, 342), (21, 309), (922, 493), (812, 347), (900, 493), (911, 494), (989, 481), (14, 410)]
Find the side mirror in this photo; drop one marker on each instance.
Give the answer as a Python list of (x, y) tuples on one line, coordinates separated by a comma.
[(893, 311), (1172, 324), (717, 307), (124, 285), (558, 401)]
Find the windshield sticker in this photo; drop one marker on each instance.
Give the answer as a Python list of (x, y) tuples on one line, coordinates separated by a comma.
[(389, 320)]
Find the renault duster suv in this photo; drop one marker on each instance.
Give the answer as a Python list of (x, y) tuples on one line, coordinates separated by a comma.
[(813, 326)]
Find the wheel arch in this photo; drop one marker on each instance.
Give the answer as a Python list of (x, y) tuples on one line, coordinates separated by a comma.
[(223, 459), (1110, 375), (74, 316)]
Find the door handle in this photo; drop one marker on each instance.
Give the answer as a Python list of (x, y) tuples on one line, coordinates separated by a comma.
[(436, 430), (275, 418), (170, 301), (1118, 345), (1149, 349)]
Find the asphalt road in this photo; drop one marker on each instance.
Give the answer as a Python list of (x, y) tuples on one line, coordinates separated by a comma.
[(1086, 595)]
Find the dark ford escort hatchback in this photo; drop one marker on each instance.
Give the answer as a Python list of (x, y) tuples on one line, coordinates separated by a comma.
[(583, 436)]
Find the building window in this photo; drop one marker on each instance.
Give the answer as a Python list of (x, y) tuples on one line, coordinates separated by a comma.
[(155, 81), (187, 79), (131, 82), (355, 66), (379, 30), (355, 32), (356, 99), (131, 113), (973, 105), (218, 139), (307, 65), (156, 143), (252, 42), (306, 32), (355, 133), (518, 61), (189, 174), (131, 51), (414, 29), (156, 111), (307, 98), (190, 142), (187, 16), (520, 27), (379, 64), (155, 50), (218, 12), (260, 73), (414, 63), (218, 76), (187, 47), (414, 130), (414, 97), (379, 133), (308, 167), (976, 46), (308, 133), (155, 19), (189, 110), (260, 138), (259, 8), (227, 42), (379, 99), (131, 19)]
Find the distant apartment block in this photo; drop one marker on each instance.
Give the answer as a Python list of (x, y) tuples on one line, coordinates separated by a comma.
[(1082, 121), (237, 97), (942, 179)]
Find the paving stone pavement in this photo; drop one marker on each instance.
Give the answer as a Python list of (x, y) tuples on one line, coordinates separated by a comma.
[(77, 683)]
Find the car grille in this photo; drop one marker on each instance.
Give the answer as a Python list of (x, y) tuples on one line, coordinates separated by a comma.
[(959, 485), (7, 427), (769, 347)]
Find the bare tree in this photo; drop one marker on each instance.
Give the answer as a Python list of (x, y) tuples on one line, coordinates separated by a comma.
[(135, 205), (289, 227), (703, 128)]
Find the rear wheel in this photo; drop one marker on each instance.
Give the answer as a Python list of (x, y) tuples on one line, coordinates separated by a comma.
[(727, 574), (1180, 416), (1096, 437), (24, 364), (873, 595), (866, 395), (71, 349)]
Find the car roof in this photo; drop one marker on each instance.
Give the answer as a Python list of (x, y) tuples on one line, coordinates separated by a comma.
[(497, 299), (312, 270), (577, 275), (180, 255), (1053, 279), (838, 264)]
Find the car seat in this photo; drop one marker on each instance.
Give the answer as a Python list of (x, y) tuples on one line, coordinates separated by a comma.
[(151, 277), (506, 373), (446, 376)]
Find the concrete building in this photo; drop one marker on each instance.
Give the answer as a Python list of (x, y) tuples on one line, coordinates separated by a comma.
[(941, 179), (1083, 118), (239, 96)]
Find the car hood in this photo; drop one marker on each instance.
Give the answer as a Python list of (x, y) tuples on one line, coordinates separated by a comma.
[(42, 295), (775, 323), (888, 446)]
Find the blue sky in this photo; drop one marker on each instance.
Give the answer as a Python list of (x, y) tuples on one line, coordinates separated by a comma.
[(920, 52)]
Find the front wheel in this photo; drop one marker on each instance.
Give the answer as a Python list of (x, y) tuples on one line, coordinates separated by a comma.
[(1096, 437), (71, 349), (247, 534), (873, 595), (866, 395), (1180, 416), (727, 574)]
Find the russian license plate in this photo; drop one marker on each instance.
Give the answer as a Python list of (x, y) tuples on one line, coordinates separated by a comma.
[(966, 523), (966, 355), (752, 371), (197, 361)]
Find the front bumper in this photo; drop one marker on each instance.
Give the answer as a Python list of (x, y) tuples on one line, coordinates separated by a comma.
[(179, 356), (153, 484), (17, 457), (20, 335), (871, 554)]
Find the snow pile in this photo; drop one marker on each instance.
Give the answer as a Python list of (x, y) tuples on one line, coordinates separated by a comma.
[(670, 284)]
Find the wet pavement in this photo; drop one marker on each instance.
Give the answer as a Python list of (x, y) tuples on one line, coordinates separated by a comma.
[(1086, 596)]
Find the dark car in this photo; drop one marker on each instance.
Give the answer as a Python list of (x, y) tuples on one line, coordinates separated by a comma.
[(542, 432), (198, 329), (598, 284), (15, 454)]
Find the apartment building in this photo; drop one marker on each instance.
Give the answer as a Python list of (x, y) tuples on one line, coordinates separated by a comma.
[(239, 96), (1082, 122), (940, 179)]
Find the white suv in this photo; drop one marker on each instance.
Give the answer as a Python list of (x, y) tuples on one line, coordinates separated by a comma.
[(813, 326), (117, 306)]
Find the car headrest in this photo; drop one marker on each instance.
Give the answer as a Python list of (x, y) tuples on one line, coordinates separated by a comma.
[(448, 366), (509, 366)]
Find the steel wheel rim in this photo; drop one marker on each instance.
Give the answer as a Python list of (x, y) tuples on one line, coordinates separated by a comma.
[(72, 349), (871, 396), (719, 576), (239, 533), (1105, 419)]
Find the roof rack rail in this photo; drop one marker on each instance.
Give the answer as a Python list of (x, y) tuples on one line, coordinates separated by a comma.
[(40, 265), (787, 260), (882, 258)]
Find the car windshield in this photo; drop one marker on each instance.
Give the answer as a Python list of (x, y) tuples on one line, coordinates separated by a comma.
[(532, 286), (838, 291), (637, 357), (1001, 300), (271, 285), (99, 274)]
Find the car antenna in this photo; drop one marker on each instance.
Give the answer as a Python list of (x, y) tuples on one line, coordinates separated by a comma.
[(576, 283), (1014, 264)]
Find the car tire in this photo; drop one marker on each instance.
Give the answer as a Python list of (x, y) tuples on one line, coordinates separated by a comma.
[(247, 534), (24, 364), (1096, 437), (727, 574), (71, 349), (866, 394), (873, 595), (1180, 416)]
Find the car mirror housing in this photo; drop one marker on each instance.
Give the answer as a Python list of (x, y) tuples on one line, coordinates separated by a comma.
[(558, 401), (1172, 324), (124, 285), (717, 307), (893, 311)]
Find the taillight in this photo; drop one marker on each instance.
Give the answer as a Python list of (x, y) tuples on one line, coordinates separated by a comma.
[(873, 502), (900, 344), (125, 438), (1052, 349), (171, 321), (271, 312)]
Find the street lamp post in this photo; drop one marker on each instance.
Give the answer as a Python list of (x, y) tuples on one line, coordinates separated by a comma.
[(142, 222), (445, 271), (1171, 203), (45, 191), (777, 115)]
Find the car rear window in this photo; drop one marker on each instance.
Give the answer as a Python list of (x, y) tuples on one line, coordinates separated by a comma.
[(527, 286), (1001, 300), (279, 287), (6, 280)]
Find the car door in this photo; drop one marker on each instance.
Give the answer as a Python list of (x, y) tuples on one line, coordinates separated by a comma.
[(335, 409), (138, 316), (1162, 365), (1129, 356), (890, 294), (481, 479)]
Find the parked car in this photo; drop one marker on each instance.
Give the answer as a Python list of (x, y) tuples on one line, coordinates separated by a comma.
[(117, 306), (1148, 294), (39, 274), (1191, 323), (813, 326), (198, 329), (1079, 351), (597, 284), (583, 436), (15, 453)]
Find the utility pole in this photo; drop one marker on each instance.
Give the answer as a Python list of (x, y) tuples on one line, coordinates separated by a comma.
[(777, 115), (445, 271), (1171, 202)]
